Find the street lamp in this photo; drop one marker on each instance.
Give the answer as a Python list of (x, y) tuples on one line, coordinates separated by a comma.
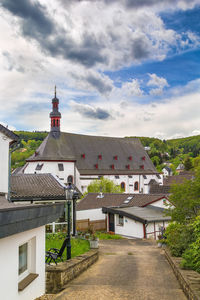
[(71, 195)]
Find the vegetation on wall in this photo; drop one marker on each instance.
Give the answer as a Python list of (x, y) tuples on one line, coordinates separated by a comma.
[(183, 234)]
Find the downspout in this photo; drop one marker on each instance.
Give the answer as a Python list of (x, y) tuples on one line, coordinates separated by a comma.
[(9, 168)]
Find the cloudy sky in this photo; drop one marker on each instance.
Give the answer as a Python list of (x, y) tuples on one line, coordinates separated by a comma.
[(121, 67)]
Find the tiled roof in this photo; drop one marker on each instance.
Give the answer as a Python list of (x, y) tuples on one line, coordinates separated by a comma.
[(96, 154), (168, 181), (177, 178), (37, 186), (93, 201), (8, 133)]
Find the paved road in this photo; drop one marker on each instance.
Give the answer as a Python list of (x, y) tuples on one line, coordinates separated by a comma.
[(126, 269)]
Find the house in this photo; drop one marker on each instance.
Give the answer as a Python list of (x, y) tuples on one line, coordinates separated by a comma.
[(136, 222), (180, 168), (90, 207), (169, 181), (22, 235), (80, 159), (167, 171)]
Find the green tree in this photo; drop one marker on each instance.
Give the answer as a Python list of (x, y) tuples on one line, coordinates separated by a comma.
[(186, 199), (188, 163), (103, 185)]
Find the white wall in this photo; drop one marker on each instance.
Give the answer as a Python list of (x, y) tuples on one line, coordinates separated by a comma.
[(130, 228), (4, 162), (92, 214), (160, 203), (9, 259)]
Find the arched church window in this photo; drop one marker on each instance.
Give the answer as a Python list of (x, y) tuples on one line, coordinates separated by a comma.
[(70, 179), (54, 123), (136, 186), (123, 186)]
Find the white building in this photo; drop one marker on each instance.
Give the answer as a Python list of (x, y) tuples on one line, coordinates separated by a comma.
[(80, 159), (22, 236), (137, 222)]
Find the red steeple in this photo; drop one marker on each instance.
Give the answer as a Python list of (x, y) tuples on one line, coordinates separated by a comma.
[(55, 115)]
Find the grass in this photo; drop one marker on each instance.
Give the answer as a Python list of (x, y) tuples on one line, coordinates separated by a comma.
[(107, 236), (55, 240)]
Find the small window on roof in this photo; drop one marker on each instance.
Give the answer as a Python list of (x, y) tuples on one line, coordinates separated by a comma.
[(127, 200), (39, 167), (60, 167)]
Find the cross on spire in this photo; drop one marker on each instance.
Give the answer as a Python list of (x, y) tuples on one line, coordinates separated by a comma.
[(55, 91)]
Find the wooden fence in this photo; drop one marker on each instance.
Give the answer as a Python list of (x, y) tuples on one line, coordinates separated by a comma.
[(84, 225)]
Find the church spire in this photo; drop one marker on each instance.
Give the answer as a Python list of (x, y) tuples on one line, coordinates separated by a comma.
[(55, 116)]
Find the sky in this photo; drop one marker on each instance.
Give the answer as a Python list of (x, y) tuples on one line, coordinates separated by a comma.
[(121, 67)]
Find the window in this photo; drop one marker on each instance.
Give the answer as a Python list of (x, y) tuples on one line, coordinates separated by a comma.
[(123, 186), (136, 186), (60, 167), (130, 176), (39, 167), (121, 221), (117, 176), (70, 179), (27, 263), (23, 258)]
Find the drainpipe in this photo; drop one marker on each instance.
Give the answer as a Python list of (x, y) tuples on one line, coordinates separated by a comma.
[(9, 168)]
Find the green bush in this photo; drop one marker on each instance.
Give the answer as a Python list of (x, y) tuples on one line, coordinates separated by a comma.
[(191, 256), (178, 238)]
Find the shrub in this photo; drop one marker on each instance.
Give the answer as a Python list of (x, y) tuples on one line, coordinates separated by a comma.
[(178, 238), (191, 256)]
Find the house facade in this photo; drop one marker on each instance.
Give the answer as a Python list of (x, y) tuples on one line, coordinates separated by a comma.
[(22, 236), (80, 159)]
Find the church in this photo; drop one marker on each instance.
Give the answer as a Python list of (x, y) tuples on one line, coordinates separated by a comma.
[(80, 159)]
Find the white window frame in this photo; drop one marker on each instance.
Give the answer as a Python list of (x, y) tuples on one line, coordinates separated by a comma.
[(120, 220), (31, 258)]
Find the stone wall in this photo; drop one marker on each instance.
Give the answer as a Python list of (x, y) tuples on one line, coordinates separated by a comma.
[(188, 279), (57, 276)]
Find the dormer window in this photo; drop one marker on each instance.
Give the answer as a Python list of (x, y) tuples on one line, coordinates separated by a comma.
[(83, 155), (96, 166), (39, 167), (142, 167), (112, 167), (128, 167), (143, 157), (100, 157), (130, 158), (115, 157)]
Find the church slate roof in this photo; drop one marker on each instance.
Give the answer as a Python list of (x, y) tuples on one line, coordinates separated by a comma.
[(96, 154)]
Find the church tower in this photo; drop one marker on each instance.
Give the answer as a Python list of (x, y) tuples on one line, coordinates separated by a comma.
[(55, 116)]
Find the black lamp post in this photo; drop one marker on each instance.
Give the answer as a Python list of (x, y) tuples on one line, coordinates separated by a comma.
[(69, 196)]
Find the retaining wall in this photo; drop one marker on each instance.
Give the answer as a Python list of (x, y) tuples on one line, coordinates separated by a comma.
[(57, 276)]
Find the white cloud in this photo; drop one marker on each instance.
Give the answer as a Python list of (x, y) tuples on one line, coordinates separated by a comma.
[(158, 82)]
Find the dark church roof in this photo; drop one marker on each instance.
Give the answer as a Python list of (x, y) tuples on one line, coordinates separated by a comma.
[(96, 154)]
